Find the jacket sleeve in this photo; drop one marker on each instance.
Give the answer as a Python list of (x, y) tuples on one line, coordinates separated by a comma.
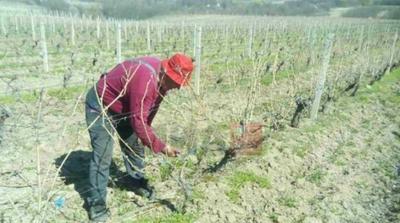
[(140, 105)]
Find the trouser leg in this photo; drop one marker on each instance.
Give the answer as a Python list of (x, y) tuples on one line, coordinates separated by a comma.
[(132, 151), (100, 131), (133, 154)]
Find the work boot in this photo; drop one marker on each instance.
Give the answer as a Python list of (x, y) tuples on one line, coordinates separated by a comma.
[(142, 188), (139, 186), (98, 211)]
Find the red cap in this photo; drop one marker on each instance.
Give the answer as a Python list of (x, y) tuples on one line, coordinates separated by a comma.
[(179, 68)]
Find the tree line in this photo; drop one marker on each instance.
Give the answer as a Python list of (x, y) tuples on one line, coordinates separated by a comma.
[(141, 9)]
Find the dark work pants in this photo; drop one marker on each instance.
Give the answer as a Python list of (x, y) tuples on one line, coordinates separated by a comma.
[(101, 130)]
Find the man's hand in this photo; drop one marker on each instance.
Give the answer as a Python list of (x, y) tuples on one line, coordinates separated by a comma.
[(170, 151)]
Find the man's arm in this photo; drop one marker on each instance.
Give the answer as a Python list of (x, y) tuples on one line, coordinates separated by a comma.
[(140, 105)]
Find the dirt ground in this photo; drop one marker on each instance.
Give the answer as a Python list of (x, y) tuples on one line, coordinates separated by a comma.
[(343, 168)]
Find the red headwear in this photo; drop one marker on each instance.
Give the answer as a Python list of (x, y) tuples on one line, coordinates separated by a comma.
[(179, 68)]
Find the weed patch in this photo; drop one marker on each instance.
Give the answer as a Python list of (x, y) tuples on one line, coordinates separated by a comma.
[(172, 218), (316, 176), (239, 179), (288, 201)]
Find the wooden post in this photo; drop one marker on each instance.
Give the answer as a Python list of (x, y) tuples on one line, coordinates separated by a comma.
[(119, 60), (226, 40), (312, 46), (198, 60), (396, 36), (275, 66), (266, 41), (53, 26), (361, 40), (44, 48), (309, 34), (322, 77), (72, 32), (87, 23), (250, 47), (148, 37), (159, 34), (194, 40), (3, 27), (64, 19), (81, 23), (98, 27), (107, 36), (125, 31), (183, 35), (33, 28), (349, 29), (16, 25)]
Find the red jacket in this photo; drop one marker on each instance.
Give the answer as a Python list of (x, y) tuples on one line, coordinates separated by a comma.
[(132, 89)]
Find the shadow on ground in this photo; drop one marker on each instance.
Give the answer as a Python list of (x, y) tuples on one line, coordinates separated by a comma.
[(218, 166), (75, 170)]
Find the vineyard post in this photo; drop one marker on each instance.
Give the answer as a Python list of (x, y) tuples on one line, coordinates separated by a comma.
[(72, 31), (87, 23), (16, 25), (148, 37), (64, 19), (365, 52), (322, 77), (194, 40), (198, 60), (216, 31), (3, 27), (107, 35), (37, 142), (387, 30), (80, 24), (250, 46), (33, 28), (53, 26), (162, 30), (159, 34), (370, 33), (183, 35), (309, 34), (266, 40), (361, 39), (44, 48), (56, 18), (396, 36), (275, 65), (119, 43), (98, 27), (226, 40), (312, 46), (125, 30)]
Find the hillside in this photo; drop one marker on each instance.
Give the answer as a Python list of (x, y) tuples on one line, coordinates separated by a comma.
[(381, 9)]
